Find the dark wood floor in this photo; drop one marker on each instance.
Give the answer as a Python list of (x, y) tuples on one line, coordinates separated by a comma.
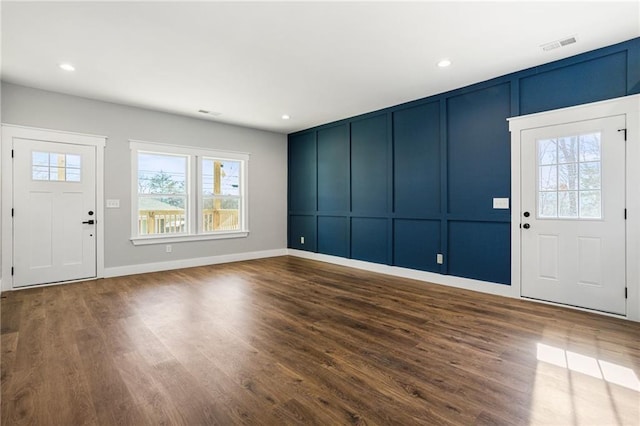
[(292, 341)]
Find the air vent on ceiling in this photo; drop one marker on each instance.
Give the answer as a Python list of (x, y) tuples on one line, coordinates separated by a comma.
[(559, 43), (211, 113)]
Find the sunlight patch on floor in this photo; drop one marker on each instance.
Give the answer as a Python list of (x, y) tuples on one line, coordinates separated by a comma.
[(575, 389), (608, 371)]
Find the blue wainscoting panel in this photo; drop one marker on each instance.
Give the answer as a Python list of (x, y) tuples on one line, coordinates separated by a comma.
[(333, 235), (479, 154), (369, 239), (302, 227), (590, 81), (633, 70), (302, 172), (416, 244), (333, 169), (480, 250), (369, 165), (399, 185), (416, 144)]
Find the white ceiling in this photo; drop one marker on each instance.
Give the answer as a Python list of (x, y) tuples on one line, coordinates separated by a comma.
[(316, 61)]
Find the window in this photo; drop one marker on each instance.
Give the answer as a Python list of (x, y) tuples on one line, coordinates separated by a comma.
[(162, 193), (221, 199), (54, 166), (569, 177), (185, 193)]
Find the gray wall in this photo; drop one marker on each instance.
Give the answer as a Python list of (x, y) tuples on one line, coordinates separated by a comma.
[(267, 167)]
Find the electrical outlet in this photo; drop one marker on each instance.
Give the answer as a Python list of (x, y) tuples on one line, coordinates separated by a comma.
[(168, 248), (500, 203), (439, 259), (113, 204), (301, 240)]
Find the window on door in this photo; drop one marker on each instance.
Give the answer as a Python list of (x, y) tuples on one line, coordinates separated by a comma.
[(187, 193), (55, 166), (569, 177)]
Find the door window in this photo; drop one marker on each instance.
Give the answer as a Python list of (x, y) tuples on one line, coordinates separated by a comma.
[(569, 177), (53, 166)]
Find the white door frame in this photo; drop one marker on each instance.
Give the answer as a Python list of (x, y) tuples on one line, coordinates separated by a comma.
[(9, 132), (629, 106)]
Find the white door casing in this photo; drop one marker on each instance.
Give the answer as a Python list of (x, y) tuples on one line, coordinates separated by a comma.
[(75, 251), (573, 207), (629, 108), (53, 197)]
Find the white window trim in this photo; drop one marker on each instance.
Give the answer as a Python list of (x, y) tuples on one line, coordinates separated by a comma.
[(194, 192)]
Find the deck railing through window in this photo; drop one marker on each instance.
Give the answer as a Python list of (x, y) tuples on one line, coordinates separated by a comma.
[(220, 220), (173, 222)]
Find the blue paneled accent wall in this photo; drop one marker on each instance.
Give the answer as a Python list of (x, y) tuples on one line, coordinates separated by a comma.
[(400, 185)]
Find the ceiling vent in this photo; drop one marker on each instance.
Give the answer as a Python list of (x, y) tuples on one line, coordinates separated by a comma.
[(559, 43), (211, 113)]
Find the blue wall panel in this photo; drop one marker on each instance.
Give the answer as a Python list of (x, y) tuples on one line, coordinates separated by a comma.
[(333, 169), (302, 172), (416, 151), (589, 81), (369, 239), (479, 157), (480, 250), (369, 165), (333, 236), (302, 226), (416, 244), (402, 184), (633, 70)]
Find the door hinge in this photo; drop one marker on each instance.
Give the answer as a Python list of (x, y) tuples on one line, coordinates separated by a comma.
[(12, 270), (625, 133), (625, 214), (11, 211), (626, 293), (11, 153)]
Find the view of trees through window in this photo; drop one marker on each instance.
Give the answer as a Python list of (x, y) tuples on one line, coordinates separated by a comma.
[(569, 177), (162, 193), (163, 181)]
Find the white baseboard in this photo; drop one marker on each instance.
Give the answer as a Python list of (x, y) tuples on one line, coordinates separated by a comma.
[(430, 277), (119, 271)]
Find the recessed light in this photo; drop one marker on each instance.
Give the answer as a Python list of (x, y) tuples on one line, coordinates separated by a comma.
[(67, 67), (286, 116), (444, 63)]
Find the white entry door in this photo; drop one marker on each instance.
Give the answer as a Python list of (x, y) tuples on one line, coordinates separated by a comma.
[(54, 231), (573, 214)]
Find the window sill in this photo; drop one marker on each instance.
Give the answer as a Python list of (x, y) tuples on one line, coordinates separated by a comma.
[(143, 241)]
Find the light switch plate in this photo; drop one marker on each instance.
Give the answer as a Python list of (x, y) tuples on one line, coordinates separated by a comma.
[(500, 203), (113, 204)]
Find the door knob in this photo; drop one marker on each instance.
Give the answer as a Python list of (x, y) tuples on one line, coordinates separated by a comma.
[(90, 213), (526, 226), (527, 214), (90, 222)]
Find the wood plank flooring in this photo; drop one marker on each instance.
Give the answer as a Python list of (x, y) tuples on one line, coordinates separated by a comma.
[(291, 341)]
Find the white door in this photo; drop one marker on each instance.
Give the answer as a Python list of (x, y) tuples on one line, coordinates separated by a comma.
[(573, 214), (54, 232)]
